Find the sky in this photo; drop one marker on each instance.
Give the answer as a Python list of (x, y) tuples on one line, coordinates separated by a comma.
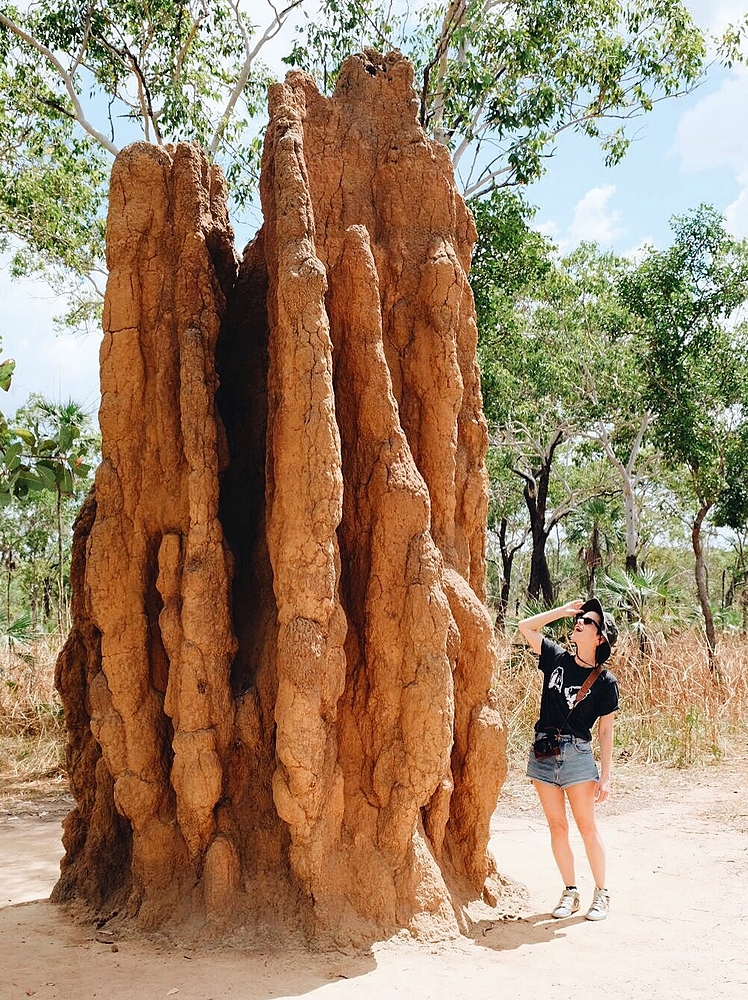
[(688, 151)]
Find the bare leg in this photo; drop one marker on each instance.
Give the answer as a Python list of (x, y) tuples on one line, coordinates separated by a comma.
[(554, 806), (582, 802)]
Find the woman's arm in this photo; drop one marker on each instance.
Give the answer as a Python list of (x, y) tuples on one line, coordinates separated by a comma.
[(605, 736), (530, 627)]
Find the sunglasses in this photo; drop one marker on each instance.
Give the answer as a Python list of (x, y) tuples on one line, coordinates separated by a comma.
[(588, 621)]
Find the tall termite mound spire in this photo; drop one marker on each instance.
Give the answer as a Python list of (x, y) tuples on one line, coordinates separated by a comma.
[(279, 681)]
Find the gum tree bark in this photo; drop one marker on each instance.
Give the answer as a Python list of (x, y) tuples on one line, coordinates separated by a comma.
[(279, 683)]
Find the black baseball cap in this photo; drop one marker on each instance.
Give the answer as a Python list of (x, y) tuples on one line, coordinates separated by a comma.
[(608, 630)]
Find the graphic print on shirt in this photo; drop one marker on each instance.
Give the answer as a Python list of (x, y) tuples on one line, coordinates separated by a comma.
[(556, 683)]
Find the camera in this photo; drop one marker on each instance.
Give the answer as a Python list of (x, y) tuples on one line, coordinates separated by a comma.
[(547, 744)]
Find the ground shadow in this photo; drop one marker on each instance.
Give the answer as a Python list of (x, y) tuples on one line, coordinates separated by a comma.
[(534, 928), (43, 947)]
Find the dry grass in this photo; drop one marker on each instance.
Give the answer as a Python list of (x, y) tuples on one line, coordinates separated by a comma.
[(32, 737), (674, 709)]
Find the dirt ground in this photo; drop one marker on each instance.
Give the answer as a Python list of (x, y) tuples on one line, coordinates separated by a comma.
[(678, 928)]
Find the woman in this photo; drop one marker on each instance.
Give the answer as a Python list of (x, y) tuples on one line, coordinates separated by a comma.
[(576, 692)]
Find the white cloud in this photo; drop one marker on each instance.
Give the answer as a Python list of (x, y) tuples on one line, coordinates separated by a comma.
[(637, 253), (551, 231), (714, 15), (736, 213), (594, 220), (711, 135)]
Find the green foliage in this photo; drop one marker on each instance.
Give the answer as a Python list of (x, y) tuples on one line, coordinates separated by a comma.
[(47, 462), (648, 601), (18, 633), (558, 375), (731, 46), (29, 553), (509, 258), (731, 509), (515, 78), (518, 79), (328, 35), (58, 442), (693, 364), (562, 360), (593, 368), (593, 530), (509, 261), (154, 70), (78, 80), (505, 498), (6, 374), (17, 475)]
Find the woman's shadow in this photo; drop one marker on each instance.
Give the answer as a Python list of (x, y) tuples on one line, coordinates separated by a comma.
[(515, 932)]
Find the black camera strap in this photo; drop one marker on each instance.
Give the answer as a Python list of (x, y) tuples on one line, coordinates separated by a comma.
[(583, 692)]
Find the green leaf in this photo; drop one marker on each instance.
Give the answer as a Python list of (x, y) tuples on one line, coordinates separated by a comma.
[(46, 476), (6, 374), (66, 481), (29, 480), (26, 435), (48, 446), (12, 454), (508, 78)]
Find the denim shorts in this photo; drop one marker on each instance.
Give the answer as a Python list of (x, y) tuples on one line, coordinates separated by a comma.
[(574, 765)]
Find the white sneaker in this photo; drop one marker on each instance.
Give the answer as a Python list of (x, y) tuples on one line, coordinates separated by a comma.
[(568, 904), (599, 906)]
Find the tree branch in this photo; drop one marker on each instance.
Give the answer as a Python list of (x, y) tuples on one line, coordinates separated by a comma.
[(452, 20), (66, 79), (179, 62), (270, 32), (527, 478), (144, 93)]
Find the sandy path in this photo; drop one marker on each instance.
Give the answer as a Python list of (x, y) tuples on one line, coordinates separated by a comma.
[(678, 861)]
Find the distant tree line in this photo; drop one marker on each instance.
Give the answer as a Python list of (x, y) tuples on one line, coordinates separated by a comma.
[(617, 395)]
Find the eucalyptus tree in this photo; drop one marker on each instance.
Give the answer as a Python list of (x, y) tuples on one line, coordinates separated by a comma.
[(79, 81), (694, 365), (620, 415), (497, 81), (539, 418), (507, 524), (549, 340)]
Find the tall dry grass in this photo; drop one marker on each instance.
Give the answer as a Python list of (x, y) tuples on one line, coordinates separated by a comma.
[(32, 736), (673, 709)]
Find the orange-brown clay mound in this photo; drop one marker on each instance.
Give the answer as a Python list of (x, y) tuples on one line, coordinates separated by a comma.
[(278, 686)]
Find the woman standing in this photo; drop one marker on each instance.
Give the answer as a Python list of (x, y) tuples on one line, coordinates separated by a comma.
[(576, 692)]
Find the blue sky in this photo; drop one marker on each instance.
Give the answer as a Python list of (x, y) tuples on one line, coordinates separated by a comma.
[(687, 151)]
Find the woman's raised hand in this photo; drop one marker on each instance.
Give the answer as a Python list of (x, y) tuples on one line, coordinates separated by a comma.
[(572, 608)]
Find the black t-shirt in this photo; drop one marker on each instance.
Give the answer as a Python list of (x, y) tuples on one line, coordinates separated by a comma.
[(562, 678)]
